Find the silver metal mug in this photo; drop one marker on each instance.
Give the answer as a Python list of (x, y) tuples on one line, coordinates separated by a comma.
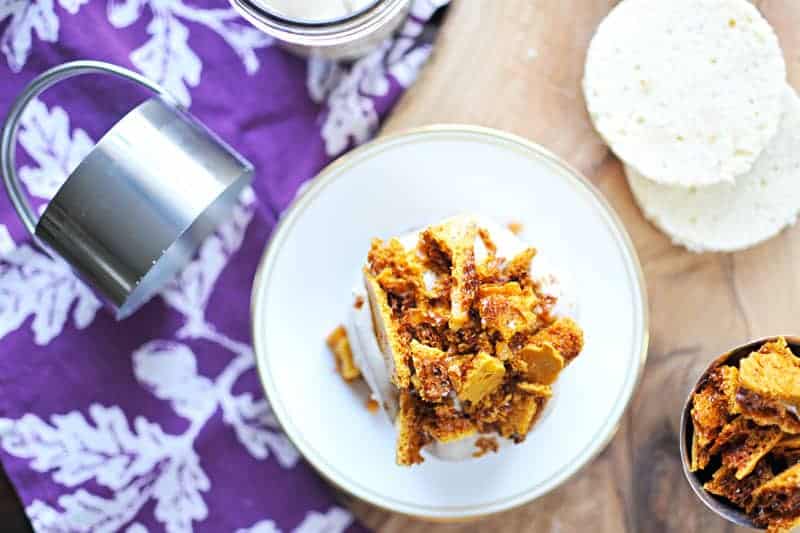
[(134, 211)]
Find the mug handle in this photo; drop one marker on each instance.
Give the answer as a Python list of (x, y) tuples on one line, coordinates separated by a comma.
[(42, 82)]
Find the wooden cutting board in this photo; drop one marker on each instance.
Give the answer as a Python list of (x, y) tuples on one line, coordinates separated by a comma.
[(516, 65)]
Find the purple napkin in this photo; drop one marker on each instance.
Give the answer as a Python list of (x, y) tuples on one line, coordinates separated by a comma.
[(158, 423)]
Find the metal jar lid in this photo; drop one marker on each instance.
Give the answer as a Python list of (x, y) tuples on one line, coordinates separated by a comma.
[(134, 211), (348, 36)]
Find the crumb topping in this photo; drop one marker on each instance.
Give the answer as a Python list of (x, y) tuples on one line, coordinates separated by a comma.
[(430, 379), (776, 503), (746, 417), (739, 491), (515, 227), (475, 350), (340, 346), (485, 445), (712, 408), (773, 372), (372, 405)]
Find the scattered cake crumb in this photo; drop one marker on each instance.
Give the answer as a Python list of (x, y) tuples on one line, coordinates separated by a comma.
[(340, 346), (359, 302), (372, 406), (485, 445), (515, 226)]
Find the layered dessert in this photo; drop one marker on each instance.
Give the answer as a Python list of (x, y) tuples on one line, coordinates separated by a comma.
[(460, 330), (746, 435)]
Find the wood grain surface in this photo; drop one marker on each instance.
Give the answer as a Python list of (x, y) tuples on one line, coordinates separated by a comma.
[(516, 65)]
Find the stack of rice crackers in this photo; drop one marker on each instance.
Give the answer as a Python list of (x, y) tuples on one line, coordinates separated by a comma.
[(692, 96)]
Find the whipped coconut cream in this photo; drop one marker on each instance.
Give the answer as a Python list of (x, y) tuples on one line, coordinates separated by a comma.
[(377, 367), (316, 10)]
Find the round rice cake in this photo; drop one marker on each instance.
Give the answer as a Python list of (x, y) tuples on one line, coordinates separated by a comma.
[(688, 92), (732, 216)]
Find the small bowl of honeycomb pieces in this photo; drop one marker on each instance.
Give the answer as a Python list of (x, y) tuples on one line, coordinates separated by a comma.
[(740, 435)]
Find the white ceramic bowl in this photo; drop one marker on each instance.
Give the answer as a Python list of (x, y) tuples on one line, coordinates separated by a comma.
[(303, 290)]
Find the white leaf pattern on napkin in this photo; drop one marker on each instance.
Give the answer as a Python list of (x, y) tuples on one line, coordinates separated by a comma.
[(351, 117), (240, 35), (72, 6), (167, 59), (106, 450), (8, 7), (336, 520), (263, 526), (322, 77), (137, 463), (424, 9), (7, 244), (243, 39), (27, 17), (169, 370), (33, 284), (258, 430), (45, 135), (123, 13), (351, 113), (84, 512), (189, 292), (178, 493)]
